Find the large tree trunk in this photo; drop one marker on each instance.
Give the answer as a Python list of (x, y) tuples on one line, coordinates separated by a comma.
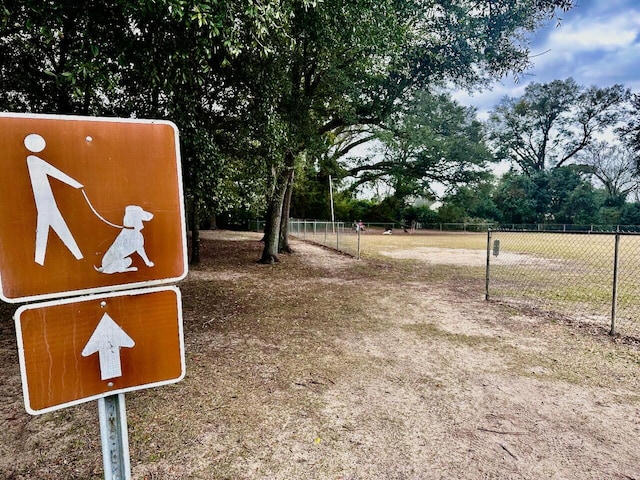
[(195, 233), (268, 223), (274, 213), (266, 231), (284, 221)]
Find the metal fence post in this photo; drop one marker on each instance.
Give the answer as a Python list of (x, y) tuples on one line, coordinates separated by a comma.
[(486, 278), (358, 250), (614, 295)]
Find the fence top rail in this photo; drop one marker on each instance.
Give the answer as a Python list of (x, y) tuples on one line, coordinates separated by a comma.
[(561, 232)]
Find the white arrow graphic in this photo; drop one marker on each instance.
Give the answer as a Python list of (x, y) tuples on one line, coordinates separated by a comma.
[(107, 339)]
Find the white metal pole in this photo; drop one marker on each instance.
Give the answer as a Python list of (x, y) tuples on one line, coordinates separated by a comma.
[(333, 217)]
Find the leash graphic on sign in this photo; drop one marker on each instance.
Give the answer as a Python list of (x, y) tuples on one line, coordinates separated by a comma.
[(130, 240), (95, 212)]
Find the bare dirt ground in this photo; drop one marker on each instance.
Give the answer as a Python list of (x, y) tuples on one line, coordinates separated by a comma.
[(325, 367)]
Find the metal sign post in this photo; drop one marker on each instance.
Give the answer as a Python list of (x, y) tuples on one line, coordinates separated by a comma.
[(115, 441)]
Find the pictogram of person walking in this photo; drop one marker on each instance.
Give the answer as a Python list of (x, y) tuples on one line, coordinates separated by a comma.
[(48, 213)]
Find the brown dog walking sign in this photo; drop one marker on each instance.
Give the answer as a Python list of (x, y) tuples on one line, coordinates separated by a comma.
[(91, 208), (88, 205)]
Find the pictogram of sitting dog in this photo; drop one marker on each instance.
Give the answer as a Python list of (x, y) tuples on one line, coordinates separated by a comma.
[(129, 241)]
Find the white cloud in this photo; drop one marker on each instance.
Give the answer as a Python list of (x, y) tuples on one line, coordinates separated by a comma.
[(596, 46), (609, 34)]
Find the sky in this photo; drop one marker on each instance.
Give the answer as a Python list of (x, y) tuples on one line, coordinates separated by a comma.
[(596, 43)]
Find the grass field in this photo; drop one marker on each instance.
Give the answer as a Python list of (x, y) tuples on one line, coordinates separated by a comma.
[(572, 274)]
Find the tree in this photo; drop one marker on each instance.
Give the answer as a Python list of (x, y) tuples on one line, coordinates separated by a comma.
[(515, 198), (630, 130), (561, 195), (342, 75), (614, 165), (473, 202), (431, 139), (552, 122), (59, 56), (571, 197), (630, 214), (582, 206), (278, 80), (182, 56), (160, 59)]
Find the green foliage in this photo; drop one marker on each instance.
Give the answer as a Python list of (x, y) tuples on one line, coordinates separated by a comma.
[(422, 214), (564, 195), (470, 203), (630, 130), (561, 195), (59, 56), (582, 206), (630, 214), (349, 209), (515, 198), (256, 86), (311, 197), (552, 122), (218, 182), (430, 139)]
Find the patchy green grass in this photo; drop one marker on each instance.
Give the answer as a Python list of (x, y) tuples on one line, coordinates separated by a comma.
[(569, 273)]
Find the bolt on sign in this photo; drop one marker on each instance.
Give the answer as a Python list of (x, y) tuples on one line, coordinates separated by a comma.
[(88, 205), (76, 350)]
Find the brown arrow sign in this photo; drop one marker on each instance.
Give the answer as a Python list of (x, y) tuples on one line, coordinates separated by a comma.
[(75, 350)]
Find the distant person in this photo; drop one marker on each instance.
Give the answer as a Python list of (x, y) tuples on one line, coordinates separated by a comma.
[(360, 226)]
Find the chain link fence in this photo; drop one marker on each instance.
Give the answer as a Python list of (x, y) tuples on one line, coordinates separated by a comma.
[(336, 235), (588, 276)]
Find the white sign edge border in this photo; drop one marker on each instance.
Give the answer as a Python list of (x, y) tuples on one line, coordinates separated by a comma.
[(183, 226), (22, 360)]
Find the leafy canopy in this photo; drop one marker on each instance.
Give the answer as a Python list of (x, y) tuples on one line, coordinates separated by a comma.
[(548, 125)]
